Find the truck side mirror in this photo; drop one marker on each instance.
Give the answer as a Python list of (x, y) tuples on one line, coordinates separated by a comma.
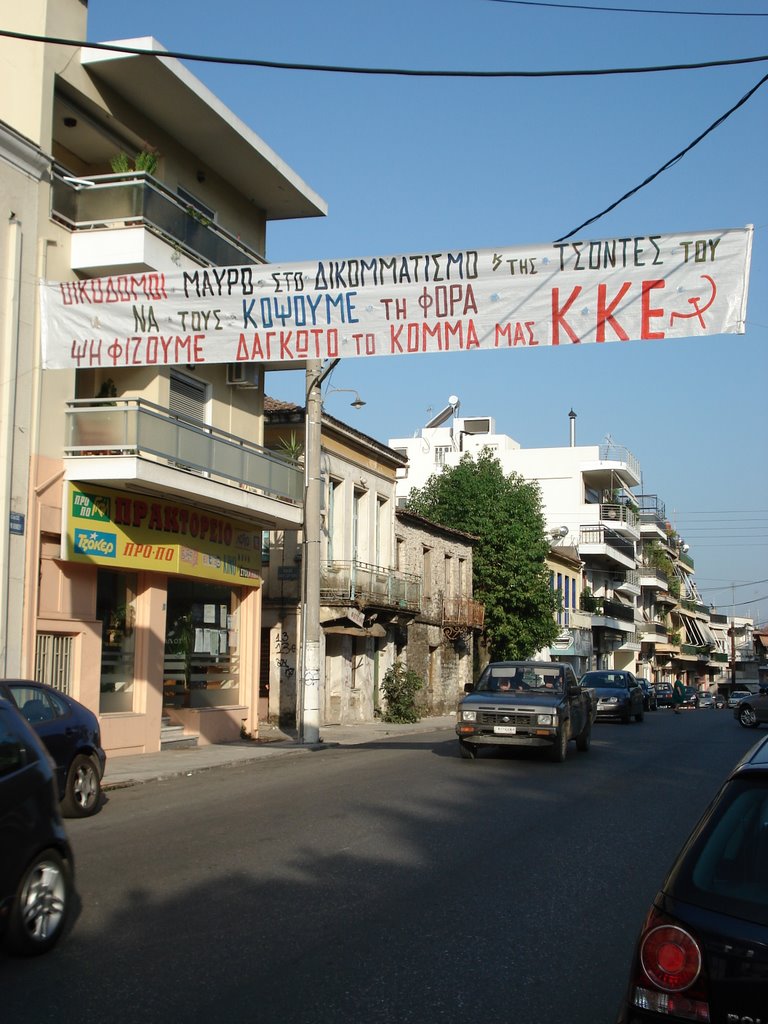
[(469, 687)]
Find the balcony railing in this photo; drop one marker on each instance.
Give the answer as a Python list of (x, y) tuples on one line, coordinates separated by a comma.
[(462, 611), (618, 453), (613, 512), (602, 535), (136, 200), (654, 629), (133, 426), (369, 585), (651, 576), (616, 610)]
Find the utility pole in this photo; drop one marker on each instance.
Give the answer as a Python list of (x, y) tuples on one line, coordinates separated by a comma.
[(309, 711)]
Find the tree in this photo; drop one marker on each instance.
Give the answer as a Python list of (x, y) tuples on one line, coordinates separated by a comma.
[(511, 577)]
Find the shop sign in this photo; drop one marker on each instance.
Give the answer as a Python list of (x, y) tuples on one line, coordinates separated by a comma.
[(116, 529)]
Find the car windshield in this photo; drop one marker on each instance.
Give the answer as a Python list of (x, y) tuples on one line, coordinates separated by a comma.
[(514, 679), (605, 680)]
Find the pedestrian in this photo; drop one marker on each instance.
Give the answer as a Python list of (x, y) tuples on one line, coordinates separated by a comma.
[(678, 694)]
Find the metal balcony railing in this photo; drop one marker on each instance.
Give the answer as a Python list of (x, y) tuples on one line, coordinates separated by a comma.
[(650, 575), (616, 610), (613, 512), (603, 535), (359, 583), (463, 611), (618, 453), (654, 629), (133, 426), (137, 199)]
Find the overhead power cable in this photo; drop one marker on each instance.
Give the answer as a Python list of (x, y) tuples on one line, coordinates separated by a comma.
[(651, 177), (635, 10), (347, 70)]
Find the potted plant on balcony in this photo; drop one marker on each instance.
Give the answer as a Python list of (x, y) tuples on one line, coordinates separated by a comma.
[(145, 161)]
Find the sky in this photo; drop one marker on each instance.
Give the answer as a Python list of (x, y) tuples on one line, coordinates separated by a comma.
[(422, 164)]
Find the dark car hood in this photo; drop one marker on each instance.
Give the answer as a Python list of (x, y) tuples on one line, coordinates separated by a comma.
[(610, 691)]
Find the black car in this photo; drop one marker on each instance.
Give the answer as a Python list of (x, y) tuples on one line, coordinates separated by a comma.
[(36, 872), (702, 954), (72, 735), (691, 699), (649, 695), (752, 711), (618, 693)]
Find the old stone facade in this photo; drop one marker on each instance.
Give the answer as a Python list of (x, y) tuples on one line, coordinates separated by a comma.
[(440, 639)]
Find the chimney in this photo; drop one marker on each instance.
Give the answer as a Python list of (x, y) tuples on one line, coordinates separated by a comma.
[(572, 418)]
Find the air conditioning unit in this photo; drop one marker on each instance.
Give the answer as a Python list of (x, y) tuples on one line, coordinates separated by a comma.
[(244, 375)]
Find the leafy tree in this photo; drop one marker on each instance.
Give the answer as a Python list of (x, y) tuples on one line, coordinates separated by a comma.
[(511, 577)]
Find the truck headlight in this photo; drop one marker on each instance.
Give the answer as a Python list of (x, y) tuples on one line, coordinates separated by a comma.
[(469, 716), (545, 720)]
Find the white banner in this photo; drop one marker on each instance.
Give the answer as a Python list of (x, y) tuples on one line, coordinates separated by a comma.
[(649, 287)]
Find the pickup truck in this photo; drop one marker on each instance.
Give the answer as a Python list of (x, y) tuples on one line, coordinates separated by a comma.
[(528, 704)]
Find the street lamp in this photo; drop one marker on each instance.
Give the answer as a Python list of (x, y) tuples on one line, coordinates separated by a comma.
[(309, 722), (356, 403)]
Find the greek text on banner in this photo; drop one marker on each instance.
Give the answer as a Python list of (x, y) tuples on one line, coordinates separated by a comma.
[(650, 287)]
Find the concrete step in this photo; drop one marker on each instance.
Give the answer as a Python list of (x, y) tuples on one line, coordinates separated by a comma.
[(173, 737)]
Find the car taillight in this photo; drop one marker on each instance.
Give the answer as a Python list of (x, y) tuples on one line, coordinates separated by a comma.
[(669, 978), (670, 957)]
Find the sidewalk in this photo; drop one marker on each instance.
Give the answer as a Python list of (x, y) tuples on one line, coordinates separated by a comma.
[(137, 768)]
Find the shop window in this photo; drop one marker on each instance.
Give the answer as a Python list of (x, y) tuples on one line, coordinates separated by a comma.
[(116, 608), (201, 664)]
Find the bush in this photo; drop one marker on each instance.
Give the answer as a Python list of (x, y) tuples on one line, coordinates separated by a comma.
[(400, 685)]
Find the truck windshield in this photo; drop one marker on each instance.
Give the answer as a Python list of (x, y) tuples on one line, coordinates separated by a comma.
[(521, 681)]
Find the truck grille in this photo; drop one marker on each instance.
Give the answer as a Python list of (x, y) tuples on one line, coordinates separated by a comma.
[(491, 718)]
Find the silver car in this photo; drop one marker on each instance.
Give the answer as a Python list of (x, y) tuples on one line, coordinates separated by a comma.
[(706, 700), (737, 696)]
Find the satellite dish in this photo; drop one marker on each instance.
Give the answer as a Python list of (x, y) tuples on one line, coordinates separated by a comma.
[(453, 400)]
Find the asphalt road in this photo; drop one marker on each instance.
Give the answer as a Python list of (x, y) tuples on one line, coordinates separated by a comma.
[(392, 882)]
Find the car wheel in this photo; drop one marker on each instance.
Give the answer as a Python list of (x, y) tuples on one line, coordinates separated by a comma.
[(559, 748), (41, 906), (82, 793), (748, 718), (467, 750), (584, 738)]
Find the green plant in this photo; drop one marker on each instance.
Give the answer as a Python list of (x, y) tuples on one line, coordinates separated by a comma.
[(400, 686), (291, 446), (144, 161)]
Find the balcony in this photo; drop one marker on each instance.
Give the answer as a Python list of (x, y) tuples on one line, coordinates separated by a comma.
[(111, 433), (616, 610), (653, 632), (598, 541), (106, 204), (627, 583), (369, 586), (653, 577), (620, 518), (462, 613)]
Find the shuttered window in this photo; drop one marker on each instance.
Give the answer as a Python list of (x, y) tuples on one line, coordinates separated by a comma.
[(189, 397)]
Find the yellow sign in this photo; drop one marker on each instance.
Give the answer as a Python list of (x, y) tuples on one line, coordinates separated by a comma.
[(117, 529)]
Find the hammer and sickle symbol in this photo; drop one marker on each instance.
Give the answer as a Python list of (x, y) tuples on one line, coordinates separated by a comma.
[(697, 310)]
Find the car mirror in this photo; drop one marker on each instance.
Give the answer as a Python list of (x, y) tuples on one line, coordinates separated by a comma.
[(469, 687), (574, 689)]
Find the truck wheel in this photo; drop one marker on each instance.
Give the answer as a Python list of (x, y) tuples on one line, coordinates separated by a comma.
[(585, 737), (467, 750), (559, 748)]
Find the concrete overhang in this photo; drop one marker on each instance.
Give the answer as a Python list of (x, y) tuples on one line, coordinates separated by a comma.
[(165, 91)]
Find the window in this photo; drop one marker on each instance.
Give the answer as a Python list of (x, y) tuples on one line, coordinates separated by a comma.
[(188, 397), (426, 561), (358, 526), (14, 753), (440, 451), (116, 594)]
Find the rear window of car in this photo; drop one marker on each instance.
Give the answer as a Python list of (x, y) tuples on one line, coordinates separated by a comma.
[(726, 868)]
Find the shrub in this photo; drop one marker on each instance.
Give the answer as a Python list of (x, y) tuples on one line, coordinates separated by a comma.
[(400, 685)]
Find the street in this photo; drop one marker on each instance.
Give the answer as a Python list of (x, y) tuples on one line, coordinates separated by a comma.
[(391, 882)]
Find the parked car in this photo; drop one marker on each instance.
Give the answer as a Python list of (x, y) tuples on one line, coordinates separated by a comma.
[(663, 695), (72, 735), (702, 953), (36, 867), (691, 699), (752, 711), (736, 696), (618, 694), (706, 700), (649, 695), (719, 701)]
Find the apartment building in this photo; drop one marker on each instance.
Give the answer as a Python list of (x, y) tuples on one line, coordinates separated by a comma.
[(626, 579), (136, 497)]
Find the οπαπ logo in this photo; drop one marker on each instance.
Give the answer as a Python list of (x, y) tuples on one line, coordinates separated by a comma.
[(95, 543)]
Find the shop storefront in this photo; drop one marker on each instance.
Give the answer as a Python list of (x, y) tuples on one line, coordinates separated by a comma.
[(177, 614)]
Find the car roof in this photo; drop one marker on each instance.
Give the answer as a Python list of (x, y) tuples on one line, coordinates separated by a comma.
[(755, 761)]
